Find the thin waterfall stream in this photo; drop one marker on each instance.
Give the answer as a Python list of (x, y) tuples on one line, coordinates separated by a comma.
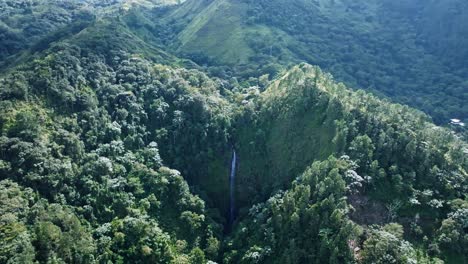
[(232, 179)]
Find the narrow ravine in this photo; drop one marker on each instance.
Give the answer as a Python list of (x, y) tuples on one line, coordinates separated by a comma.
[(232, 179)]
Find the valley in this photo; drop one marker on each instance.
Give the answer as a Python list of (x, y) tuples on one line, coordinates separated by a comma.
[(221, 131)]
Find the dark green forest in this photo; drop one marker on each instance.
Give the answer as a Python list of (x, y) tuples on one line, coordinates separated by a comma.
[(221, 131)]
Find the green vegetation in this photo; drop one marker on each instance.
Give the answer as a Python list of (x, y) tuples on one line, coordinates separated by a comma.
[(84, 141), (388, 152), (392, 48), (116, 145)]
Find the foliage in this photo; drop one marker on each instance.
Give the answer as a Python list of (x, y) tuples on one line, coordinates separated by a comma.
[(96, 115), (86, 138), (305, 224), (392, 48)]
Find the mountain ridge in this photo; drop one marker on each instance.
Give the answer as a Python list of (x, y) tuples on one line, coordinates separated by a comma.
[(117, 147), (272, 33)]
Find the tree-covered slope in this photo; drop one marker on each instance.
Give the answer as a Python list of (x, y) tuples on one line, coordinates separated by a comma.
[(28, 27), (80, 139), (410, 51), (414, 173), (116, 147), (24, 24)]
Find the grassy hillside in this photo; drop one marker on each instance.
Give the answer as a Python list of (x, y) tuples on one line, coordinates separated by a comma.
[(410, 52), (386, 47), (219, 16)]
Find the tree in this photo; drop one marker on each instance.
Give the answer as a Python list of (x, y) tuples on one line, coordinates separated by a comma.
[(362, 149), (383, 247)]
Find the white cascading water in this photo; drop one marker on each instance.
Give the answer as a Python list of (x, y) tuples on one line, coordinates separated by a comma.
[(232, 178)]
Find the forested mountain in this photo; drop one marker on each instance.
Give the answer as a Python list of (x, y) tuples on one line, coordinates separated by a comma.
[(165, 131), (411, 51)]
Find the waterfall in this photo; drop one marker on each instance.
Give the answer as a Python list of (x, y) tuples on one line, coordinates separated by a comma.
[(232, 178)]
